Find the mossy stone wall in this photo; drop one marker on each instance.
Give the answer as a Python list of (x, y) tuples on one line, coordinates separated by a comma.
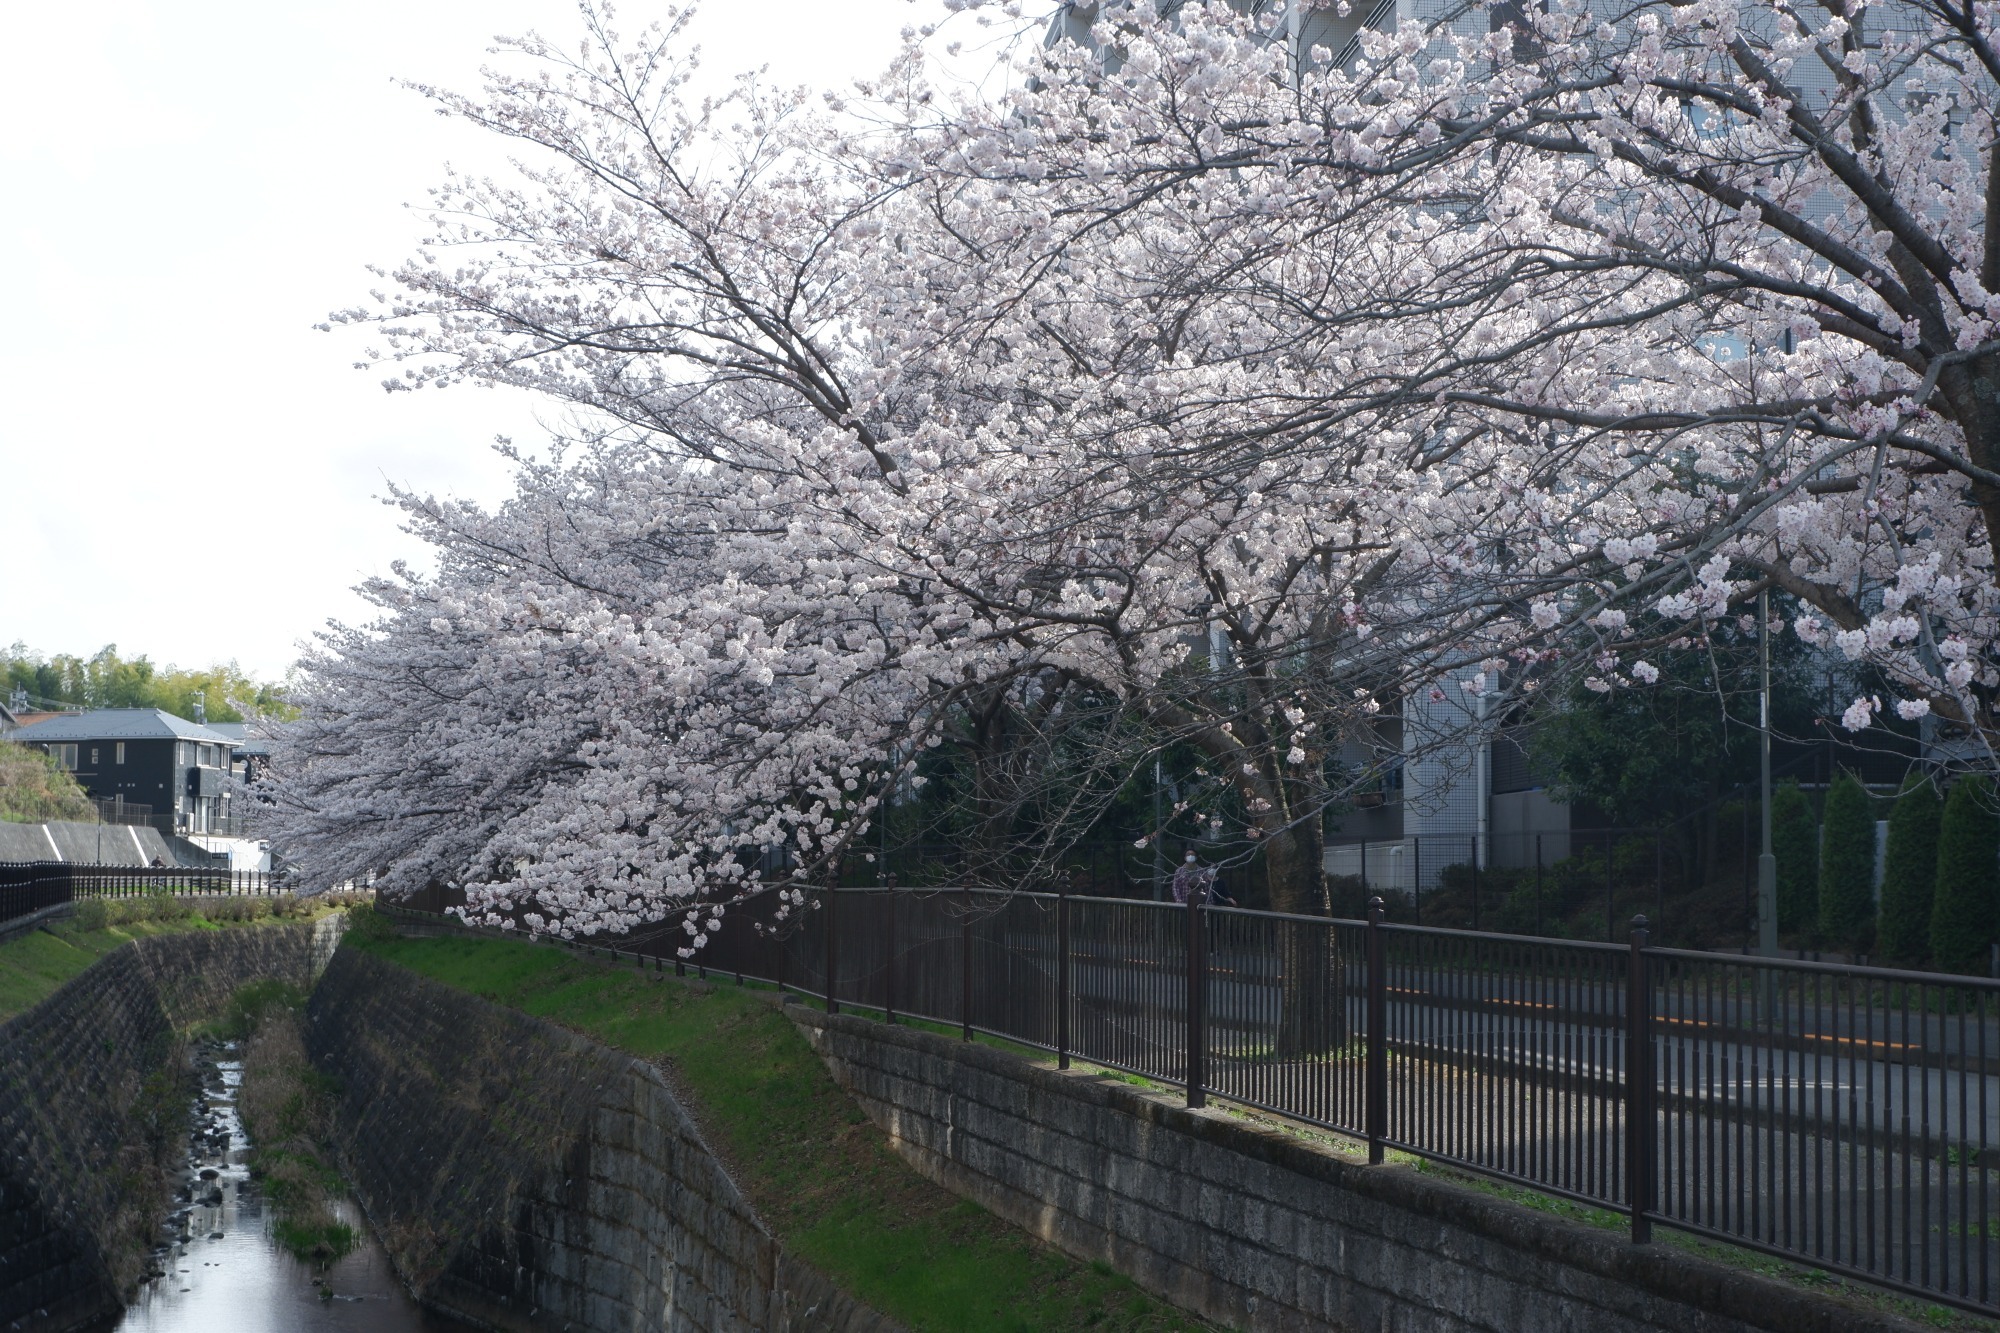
[(93, 1105), (525, 1177)]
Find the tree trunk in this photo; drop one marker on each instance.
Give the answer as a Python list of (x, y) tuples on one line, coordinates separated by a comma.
[(1312, 1019)]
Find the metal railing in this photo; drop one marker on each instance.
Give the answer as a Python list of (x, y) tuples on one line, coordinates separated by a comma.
[(115, 811), (31, 886), (1846, 1118)]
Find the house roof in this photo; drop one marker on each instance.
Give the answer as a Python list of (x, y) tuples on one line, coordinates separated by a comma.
[(239, 732), (118, 724)]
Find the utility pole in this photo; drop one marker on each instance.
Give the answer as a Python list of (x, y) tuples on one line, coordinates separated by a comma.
[(1767, 863)]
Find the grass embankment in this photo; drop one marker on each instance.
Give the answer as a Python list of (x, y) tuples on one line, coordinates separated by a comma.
[(818, 1172), (287, 1108), (35, 966)]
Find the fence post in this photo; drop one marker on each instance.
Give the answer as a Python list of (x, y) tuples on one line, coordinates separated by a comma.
[(965, 962), (1197, 1000), (832, 945), (889, 968), (1062, 976), (1376, 1112), (1640, 1154)]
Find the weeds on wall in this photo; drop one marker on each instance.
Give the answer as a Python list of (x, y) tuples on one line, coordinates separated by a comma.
[(287, 1108)]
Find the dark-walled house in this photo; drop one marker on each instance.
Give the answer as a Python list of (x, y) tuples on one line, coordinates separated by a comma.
[(143, 756)]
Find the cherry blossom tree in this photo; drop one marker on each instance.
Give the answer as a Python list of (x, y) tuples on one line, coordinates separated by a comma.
[(1745, 243), (1194, 378)]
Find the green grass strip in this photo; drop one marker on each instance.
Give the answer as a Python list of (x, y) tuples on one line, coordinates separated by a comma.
[(36, 965), (819, 1173)]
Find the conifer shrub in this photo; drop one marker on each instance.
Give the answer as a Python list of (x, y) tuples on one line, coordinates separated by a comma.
[(1962, 904), (1847, 866), (1795, 843), (1909, 873)]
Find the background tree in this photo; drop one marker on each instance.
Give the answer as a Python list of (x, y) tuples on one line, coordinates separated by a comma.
[(1667, 755), (1909, 872), (1847, 865), (1795, 844), (34, 788), (107, 680), (1963, 910)]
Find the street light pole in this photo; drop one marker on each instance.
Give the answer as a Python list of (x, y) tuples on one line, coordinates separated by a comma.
[(1767, 863)]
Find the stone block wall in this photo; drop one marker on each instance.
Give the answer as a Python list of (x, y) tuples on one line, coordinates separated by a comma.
[(1258, 1229), (93, 1103), (524, 1177)]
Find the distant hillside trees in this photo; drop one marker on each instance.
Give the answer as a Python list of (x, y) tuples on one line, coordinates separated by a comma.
[(35, 788), (106, 680)]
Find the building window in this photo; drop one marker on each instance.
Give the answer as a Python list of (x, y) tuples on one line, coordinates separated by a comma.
[(118, 753), (64, 755)]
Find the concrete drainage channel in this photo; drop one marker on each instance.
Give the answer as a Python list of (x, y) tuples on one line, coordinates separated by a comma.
[(218, 1265), (99, 1143)]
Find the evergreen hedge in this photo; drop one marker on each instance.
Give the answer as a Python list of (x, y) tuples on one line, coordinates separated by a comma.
[(1909, 873), (1795, 843), (1962, 907), (1847, 866)]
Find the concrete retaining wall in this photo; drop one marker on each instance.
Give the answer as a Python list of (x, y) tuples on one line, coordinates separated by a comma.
[(93, 1105), (524, 1177), (1258, 1229)]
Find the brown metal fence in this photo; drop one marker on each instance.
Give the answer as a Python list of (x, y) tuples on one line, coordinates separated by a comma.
[(1846, 1118), (30, 886)]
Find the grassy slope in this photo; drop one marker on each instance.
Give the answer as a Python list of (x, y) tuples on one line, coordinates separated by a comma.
[(818, 1172), (36, 965)]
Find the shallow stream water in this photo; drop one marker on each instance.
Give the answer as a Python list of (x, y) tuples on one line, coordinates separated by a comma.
[(219, 1270)]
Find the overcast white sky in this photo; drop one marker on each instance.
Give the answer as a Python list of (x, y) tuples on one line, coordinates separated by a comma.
[(187, 468)]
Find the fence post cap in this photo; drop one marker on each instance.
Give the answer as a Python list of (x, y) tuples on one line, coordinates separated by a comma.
[(1376, 907)]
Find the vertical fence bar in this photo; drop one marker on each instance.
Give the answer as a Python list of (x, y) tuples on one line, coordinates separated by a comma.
[(1197, 993), (1062, 976), (965, 963), (1375, 1115), (1641, 1153)]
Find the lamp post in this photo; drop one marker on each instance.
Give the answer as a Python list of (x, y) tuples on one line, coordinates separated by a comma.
[(1159, 854)]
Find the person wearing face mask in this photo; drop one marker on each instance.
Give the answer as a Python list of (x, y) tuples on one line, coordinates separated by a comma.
[(1192, 880)]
